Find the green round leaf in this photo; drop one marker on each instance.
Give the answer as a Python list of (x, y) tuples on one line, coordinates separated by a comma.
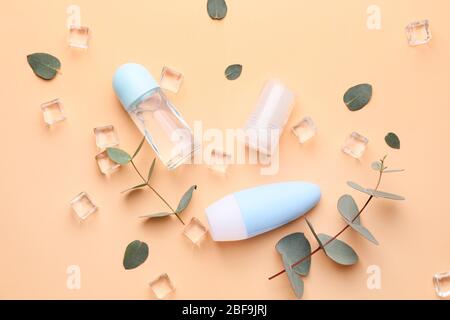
[(118, 156), (185, 200), (44, 65), (358, 97), (348, 208), (135, 254), (233, 72), (293, 248), (392, 140), (217, 9), (377, 166), (338, 251)]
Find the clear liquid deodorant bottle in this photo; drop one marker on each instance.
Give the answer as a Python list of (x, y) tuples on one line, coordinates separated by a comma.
[(155, 116)]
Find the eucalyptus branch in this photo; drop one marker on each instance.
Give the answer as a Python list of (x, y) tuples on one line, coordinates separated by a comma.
[(333, 238), (156, 192), (122, 157), (347, 208)]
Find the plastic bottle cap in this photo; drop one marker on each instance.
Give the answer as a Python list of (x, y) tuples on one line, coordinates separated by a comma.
[(131, 81)]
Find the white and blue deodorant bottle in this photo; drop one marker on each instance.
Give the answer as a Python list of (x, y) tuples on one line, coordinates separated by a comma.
[(156, 117), (250, 212)]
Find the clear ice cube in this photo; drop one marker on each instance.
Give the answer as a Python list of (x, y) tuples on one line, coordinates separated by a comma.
[(105, 164), (53, 111), (195, 231), (442, 284), (106, 137), (162, 286), (218, 161), (418, 32), (304, 130), (79, 37), (355, 145), (83, 206), (171, 80)]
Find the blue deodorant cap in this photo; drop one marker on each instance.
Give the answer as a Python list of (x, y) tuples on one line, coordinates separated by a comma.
[(131, 81), (250, 212)]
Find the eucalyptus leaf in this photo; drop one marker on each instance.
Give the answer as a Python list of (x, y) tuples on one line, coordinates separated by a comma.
[(217, 9), (295, 280), (185, 200), (233, 72), (139, 186), (362, 231), (314, 233), (44, 65), (393, 170), (392, 140), (358, 97), (293, 248), (157, 215), (385, 195), (375, 193), (338, 251), (151, 170), (348, 208), (356, 186), (377, 166), (138, 148), (118, 156), (135, 254)]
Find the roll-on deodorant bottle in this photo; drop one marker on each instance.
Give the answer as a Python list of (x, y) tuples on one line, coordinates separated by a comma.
[(155, 116), (250, 212), (267, 120)]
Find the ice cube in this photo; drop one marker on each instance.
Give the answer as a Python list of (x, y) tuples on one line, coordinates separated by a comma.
[(195, 231), (418, 32), (355, 145), (83, 206), (105, 164), (218, 161), (171, 80), (106, 137), (162, 286), (304, 130), (53, 111), (442, 284), (79, 37)]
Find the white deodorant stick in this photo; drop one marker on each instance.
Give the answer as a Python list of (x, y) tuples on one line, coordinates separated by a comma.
[(250, 212)]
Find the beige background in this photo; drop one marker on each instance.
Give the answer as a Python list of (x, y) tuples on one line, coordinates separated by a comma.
[(318, 48)]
